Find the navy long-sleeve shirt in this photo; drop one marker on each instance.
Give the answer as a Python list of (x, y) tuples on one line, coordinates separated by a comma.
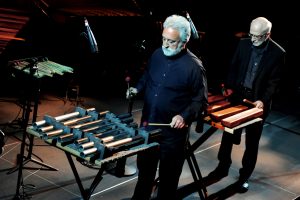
[(173, 85)]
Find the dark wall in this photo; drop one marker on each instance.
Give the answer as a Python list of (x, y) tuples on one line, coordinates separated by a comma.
[(125, 43)]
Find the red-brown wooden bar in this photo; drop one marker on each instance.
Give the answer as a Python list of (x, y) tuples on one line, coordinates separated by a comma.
[(221, 114), (241, 117), (217, 106)]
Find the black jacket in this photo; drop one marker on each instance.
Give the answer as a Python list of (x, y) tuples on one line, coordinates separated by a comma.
[(268, 75)]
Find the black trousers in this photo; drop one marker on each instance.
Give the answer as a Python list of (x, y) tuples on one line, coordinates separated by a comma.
[(252, 138), (170, 158)]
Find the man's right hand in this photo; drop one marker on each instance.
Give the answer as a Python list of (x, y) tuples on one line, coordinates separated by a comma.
[(131, 92), (228, 92)]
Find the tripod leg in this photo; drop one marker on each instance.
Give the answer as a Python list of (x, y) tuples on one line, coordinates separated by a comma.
[(20, 166), (28, 104), (23, 160), (29, 156), (31, 137)]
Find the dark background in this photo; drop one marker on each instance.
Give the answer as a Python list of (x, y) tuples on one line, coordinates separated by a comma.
[(128, 31)]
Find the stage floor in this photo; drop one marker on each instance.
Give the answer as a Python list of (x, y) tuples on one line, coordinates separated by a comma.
[(276, 177)]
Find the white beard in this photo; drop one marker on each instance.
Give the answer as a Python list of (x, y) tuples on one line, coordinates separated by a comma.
[(172, 52), (257, 43)]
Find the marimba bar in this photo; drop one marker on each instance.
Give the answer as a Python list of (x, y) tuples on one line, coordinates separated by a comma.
[(220, 105), (66, 116), (241, 117), (221, 114)]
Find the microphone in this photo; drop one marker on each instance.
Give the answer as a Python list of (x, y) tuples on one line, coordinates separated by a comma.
[(90, 37), (193, 28)]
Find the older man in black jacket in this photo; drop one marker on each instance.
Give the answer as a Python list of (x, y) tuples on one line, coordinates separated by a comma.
[(255, 75)]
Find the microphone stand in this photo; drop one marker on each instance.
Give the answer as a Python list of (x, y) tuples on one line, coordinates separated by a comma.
[(193, 28), (90, 36)]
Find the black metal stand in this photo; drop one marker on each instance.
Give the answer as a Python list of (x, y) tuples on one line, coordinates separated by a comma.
[(34, 89), (87, 193), (121, 169), (197, 185)]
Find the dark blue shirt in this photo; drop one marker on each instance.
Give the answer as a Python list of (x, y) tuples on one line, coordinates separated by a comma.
[(173, 85), (256, 55)]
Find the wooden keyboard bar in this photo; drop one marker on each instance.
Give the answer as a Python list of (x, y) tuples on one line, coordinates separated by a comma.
[(241, 117), (215, 98), (219, 115), (217, 106)]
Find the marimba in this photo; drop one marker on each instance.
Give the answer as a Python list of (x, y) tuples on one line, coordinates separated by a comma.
[(219, 115), (96, 137)]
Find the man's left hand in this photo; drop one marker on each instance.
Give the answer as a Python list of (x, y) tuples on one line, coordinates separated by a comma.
[(259, 104)]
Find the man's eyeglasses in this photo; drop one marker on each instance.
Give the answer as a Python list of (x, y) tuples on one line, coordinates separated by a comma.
[(169, 42), (257, 36)]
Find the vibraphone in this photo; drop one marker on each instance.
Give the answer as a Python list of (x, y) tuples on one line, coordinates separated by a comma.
[(29, 72), (219, 115), (96, 137), (43, 67)]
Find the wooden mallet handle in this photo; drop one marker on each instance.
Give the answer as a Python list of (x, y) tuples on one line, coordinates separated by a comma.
[(158, 124), (249, 102)]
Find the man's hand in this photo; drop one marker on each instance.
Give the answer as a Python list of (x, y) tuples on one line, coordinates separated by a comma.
[(259, 104), (228, 92), (131, 92), (177, 122)]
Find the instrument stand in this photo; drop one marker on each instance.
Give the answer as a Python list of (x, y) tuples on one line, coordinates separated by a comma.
[(86, 193), (21, 159), (197, 185)]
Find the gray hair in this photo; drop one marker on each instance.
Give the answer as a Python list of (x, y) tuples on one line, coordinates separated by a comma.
[(181, 24), (265, 24)]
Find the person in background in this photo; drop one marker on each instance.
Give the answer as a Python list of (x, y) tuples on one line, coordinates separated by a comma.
[(254, 74), (175, 90)]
